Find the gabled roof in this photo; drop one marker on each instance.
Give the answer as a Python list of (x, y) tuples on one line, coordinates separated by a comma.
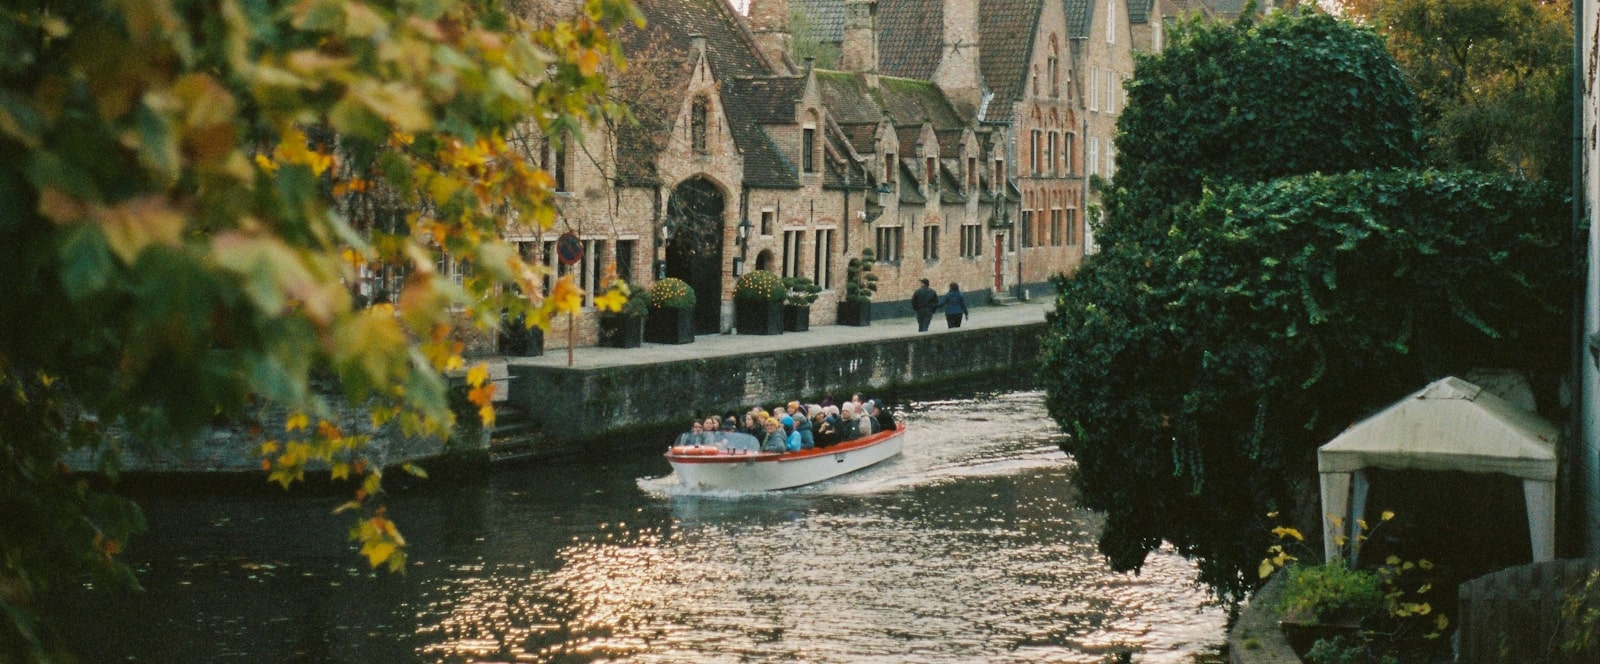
[(847, 98), (909, 102), (824, 20), (910, 37), (1449, 425), (730, 51), (1079, 14), (910, 188), (747, 101), (1003, 50), (770, 100)]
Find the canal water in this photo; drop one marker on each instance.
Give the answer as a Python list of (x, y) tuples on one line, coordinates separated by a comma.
[(967, 548)]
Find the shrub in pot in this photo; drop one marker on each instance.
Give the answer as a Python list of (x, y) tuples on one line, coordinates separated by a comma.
[(624, 328), (797, 306), (758, 303), (859, 286), (671, 319)]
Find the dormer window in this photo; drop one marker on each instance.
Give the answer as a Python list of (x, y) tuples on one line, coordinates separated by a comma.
[(1054, 69), (999, 175), (933, 172), (888, 169), (972, 173), (698, 113)]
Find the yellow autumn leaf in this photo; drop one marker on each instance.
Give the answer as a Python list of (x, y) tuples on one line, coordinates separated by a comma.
[(340, 471), (269, 448), (1388, 514), (296, 421), (1392, 560), (477, 374), (566, 296), (1362, 523), (588, 62), (377, 552), (1282, 532), (486, 413), (611, 300), (1265, 570)]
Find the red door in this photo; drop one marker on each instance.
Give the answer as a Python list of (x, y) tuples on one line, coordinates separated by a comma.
[(999, 258)]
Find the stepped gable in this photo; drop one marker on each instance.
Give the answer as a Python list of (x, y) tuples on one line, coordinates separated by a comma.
[(730, 51), (825, 19), (750, 103), (909, 102), (1079, 14), (1006, 30), (910, 37)]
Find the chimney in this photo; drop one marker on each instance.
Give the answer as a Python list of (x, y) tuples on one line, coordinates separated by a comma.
[(769, 24), (957, 73), (860, 49)]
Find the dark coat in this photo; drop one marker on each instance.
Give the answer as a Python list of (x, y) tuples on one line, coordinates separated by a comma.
[(953, 303), (924, 300)]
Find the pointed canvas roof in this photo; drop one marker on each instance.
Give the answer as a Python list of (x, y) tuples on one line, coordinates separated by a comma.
[(1449, 425)]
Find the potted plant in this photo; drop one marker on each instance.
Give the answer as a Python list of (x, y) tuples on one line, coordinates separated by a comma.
[(624, 328), (797, 307), (859, 285), (671, 319), (758, 303)]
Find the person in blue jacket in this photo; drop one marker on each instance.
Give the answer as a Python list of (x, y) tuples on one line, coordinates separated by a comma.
[(802, 428), (774, 442), (793, 440), (955, 306)]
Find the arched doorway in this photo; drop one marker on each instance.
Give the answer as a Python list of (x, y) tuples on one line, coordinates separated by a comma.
[(694, 252)]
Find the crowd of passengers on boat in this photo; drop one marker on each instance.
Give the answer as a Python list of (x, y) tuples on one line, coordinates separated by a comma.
[(791, 427)]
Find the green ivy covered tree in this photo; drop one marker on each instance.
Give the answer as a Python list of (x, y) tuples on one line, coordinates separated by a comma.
[(1244, 307), (1286, 94)]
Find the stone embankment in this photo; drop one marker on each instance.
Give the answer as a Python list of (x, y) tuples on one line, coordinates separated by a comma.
[(606, 395)]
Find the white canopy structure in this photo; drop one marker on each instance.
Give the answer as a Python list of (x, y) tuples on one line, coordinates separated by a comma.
[(1449, 425)]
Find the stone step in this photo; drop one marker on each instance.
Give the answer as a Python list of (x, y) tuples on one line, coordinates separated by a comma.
[(1002, 299)]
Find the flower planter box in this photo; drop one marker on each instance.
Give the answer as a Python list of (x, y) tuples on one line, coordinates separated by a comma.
[(669, 326), (621, 331), (858, 314), (754, 317), (796, 319)]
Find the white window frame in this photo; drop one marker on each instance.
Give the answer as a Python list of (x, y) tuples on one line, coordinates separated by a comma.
[(1094, 155)]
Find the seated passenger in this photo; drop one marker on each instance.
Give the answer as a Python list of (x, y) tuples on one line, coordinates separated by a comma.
[(869, 424), (822, 429), (802, 428), (884, 417), (791, 440), (849, 428), (693, 437), (774, 441)]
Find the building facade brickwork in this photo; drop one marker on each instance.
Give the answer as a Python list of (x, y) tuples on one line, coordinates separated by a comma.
[(953, 147)]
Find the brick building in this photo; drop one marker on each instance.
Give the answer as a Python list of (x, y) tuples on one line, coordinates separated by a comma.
[(948, 136)]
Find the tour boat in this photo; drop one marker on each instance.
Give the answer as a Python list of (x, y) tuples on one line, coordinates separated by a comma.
[(731, 461)]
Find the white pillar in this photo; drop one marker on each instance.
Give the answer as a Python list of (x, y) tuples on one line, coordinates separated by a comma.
[(1540, 497), (1358, 511), (1335, 503)]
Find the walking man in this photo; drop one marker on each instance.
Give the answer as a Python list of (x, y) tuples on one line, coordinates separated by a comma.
[(923, 302)]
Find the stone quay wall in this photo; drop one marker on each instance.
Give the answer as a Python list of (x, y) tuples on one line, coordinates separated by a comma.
[(568, 405)]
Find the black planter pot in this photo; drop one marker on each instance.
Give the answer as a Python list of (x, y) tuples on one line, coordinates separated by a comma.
[(669, 326), (518, 340), (858, 314), (796, 319), (753, 317), (621, 331)]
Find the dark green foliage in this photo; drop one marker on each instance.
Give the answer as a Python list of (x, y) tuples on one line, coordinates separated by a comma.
[(1198, 375), (1246, 102)]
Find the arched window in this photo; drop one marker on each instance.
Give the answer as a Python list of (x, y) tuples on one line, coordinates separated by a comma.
[(808, 143)]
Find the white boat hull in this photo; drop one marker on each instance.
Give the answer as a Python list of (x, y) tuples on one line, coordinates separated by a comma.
[(769, 471)]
